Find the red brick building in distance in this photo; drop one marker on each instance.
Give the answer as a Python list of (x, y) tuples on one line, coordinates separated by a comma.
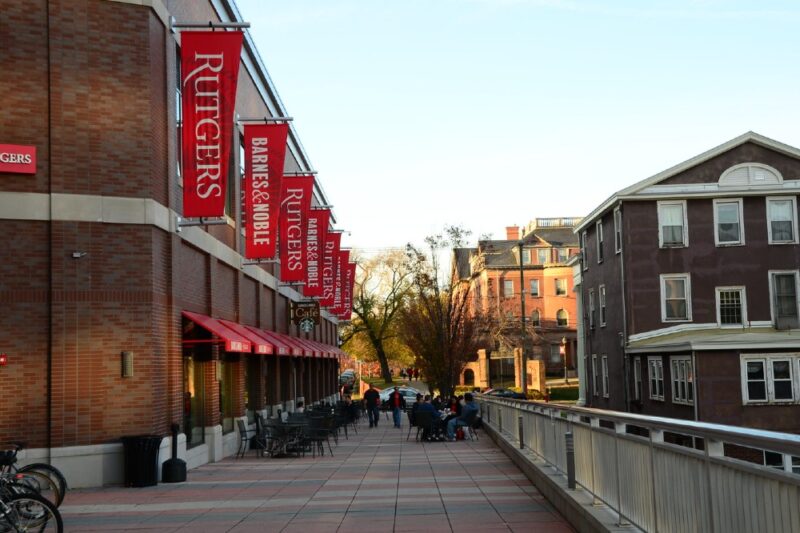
[(492, 271), (116, 320)]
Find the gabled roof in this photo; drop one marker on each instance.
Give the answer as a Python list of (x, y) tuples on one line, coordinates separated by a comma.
[(557, 236), (461, 257), (750, 136)]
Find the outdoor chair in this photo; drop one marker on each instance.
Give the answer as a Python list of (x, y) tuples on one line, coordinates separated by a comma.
[(424, 421), (412, 424), (316, 434), (244, 436)]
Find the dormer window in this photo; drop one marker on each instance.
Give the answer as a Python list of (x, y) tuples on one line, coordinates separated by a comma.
[(748, 174)]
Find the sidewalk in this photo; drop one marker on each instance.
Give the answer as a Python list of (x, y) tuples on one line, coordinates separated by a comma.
[(376, 482)]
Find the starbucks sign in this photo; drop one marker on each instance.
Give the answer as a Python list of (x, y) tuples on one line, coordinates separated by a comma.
[(304, 315)]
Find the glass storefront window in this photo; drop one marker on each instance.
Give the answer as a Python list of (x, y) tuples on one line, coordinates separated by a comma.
[(193, 401), (225, 380)]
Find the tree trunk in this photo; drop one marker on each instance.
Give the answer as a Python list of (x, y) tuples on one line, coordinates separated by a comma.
[(387, 376)]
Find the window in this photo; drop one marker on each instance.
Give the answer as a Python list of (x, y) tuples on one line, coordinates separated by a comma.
[(655, 373), (508, 288), (535, 319), (193, 399), (637, 379), (563, 254), (599, 231), (562, 318), (594, 374), (682, 380), (526, 256), (561, 287), (773, 460), (602, 297), (676, 303), (535, 287), (782, 220), (672, 224), (768, 379), (591, 308), (543, 256), (584, 258), (605, 376), (783, 298), (728, 216), (731, 306), (225, 380), (617, 230), (555, 353)]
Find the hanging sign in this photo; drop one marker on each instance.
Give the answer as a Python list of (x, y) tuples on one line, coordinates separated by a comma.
[(295, 204), (330, 258), (17, 159), (317, 231), (304, 315), (210, 70), (264, 153), (338, 291), (348, 284)]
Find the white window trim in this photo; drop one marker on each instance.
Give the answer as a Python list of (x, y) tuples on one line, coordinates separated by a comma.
[(771, 273), (598, 232), (566, 313), (601, 297), (688, 279), (660, 362), (685, 224), (740, 204), (741, 288), (768, 359), (604, 364), (637, 379), (538, 292), (794, 217), (672, 361), (617, 230), (594, 374), (505, 292), (591, 308), (584, 254), (566, 286)]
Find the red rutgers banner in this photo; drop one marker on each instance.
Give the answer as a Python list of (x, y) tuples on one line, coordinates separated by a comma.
[(210, 70), (264, 152), (330, 258), (317, 231), (348, 282), (295, 204), (338, 291)]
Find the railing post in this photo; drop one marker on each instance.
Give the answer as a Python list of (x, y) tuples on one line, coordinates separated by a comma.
[(593, 424), (619, 428), (656, 436), (521, 434), (500, 419), (570, 447), (713, 448)]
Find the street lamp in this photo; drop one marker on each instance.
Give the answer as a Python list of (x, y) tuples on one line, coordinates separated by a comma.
[(524, 361), (563, 350)]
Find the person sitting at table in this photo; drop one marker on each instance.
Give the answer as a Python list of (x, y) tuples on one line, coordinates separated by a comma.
[(466, 418), (300, 408), (428, 406)]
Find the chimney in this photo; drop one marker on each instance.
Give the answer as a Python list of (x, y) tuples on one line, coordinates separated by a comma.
[(512, 233)]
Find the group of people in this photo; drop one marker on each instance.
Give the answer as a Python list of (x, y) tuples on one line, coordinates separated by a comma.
[(410, 373), (447, 416)]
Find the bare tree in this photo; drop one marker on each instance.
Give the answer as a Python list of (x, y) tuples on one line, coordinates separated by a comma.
[(381, 289), (438, 323)]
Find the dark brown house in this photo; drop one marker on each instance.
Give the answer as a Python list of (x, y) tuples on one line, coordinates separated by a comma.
[(690, 284)]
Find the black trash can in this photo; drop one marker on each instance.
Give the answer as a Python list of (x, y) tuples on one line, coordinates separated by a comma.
[(141, 460)]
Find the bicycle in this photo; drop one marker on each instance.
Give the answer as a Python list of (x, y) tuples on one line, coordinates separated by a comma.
[(23, 513), (48, 481)]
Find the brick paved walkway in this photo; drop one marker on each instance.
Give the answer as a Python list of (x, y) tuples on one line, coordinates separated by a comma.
[(375, 482)]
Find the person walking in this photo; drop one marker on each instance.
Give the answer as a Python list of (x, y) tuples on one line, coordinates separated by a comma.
[(397, 403), (372, 401)]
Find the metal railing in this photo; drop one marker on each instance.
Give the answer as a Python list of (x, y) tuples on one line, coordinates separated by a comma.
[(662, 474)]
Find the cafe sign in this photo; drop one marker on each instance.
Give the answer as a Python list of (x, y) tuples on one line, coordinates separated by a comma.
[(17, 159), (304, 315)]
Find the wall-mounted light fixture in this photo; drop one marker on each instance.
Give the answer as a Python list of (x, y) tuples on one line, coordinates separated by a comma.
[(127, 364), (3, 359), (78, 255)]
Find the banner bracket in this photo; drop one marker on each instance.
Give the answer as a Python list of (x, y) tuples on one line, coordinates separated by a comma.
[(210, 24), (321, 207), (260, 262), (309, 173), (181, 222), (259, 120)]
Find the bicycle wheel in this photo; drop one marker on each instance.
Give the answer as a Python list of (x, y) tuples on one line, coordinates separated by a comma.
[(28, 514), (51, 472), (42, 484)]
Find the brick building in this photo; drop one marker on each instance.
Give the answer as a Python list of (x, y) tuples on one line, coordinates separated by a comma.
[(492, 271), (689, 288), (116, 320)]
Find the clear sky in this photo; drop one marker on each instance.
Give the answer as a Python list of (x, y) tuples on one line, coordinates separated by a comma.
[(488, 113)]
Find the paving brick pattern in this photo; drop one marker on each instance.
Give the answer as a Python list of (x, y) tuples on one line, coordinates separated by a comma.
[(375, 482)]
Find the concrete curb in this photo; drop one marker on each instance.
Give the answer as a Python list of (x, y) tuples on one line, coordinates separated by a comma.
[(574, 505)]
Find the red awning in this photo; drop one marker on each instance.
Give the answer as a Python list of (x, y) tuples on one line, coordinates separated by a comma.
[(299, 348), (315, 351), (277, 340), (260, 344), (327, 350), (234, 342)]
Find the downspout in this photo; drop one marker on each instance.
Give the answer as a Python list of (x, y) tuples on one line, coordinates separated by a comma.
[(50, 248), (695, 399), (624, 340)]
